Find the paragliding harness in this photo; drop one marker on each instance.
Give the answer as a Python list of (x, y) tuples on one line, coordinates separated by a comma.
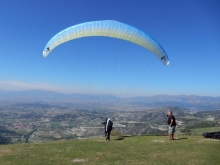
[(109, 126), (213, 135)]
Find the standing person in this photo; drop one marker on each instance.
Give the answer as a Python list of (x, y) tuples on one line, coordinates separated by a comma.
[(108, 127), (172, 124)]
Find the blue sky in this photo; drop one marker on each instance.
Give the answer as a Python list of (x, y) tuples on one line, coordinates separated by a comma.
[(189, 31)]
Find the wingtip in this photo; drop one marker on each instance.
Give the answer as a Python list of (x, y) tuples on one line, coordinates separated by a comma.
[(44, 53)]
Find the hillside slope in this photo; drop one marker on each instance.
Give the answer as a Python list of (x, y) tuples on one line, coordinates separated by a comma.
[(120, 150)]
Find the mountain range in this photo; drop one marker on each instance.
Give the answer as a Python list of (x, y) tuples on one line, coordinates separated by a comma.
[(191, 102)]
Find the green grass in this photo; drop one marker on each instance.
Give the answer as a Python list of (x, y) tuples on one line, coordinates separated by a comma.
[(199, 131), (133, 150)]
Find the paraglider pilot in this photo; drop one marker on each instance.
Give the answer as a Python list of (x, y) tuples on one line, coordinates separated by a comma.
[(172, 124), (108, 127)]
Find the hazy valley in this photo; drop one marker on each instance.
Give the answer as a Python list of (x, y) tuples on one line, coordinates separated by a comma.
[(37, 116)]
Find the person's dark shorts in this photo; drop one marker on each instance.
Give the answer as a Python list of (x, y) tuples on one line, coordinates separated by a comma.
[(171, 130)]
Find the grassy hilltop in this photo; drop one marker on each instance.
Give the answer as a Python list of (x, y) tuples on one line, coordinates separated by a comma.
[(120, 150)]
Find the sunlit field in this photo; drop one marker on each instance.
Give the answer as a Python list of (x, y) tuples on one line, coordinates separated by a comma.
[(120, 150)]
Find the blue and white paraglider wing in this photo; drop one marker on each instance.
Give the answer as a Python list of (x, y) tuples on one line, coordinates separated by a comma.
[(108, 28)]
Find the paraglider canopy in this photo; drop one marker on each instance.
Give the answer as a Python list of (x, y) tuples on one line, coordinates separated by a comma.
[(108, 28)]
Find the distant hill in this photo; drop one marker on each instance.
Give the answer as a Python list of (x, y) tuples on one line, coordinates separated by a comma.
[(191, 102)]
